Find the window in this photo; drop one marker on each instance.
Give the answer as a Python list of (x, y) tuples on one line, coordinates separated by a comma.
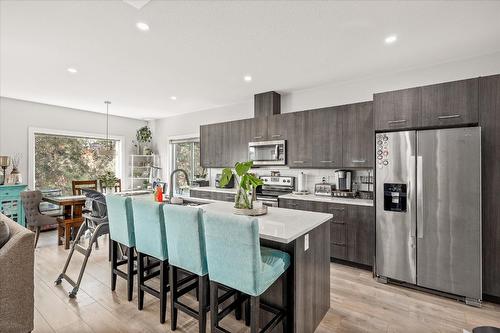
[(186, 156), (60, 159)]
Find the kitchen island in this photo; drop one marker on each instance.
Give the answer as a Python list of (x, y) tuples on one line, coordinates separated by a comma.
[(305, 236)]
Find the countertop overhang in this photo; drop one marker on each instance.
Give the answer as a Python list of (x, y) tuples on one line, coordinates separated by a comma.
[(279, 224)]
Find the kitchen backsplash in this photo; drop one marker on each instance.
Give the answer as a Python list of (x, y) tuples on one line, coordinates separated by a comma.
[(313, 176)]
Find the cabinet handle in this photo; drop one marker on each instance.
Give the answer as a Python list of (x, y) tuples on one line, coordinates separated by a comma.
[(358, 161), (450, 116), (292, 204), (390, 122), (258, 137), (339, 209), (298, 162), (326, 161), (276, 135)]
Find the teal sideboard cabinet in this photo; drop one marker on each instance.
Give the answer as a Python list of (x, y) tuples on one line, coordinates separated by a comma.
[(10, 202)]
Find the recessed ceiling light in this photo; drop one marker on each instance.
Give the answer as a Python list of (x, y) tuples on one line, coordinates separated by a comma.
[(173, 98), (72, 70), (247, 78), (391, 39), (142, 26)]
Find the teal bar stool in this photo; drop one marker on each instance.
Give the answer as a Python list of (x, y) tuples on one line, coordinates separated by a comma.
[(186, 249), (121, 232), (151, 242), (236, 260)]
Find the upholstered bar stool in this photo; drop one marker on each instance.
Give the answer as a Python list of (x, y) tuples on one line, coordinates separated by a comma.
[(235, 259), (151, 241), (186, 250), (121, 231)]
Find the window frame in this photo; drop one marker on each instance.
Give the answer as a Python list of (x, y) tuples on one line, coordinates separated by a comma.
[(171, 150), (33, 131)]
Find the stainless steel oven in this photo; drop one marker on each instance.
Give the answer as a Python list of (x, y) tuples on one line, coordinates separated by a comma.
[(267, 152), (273, 187)]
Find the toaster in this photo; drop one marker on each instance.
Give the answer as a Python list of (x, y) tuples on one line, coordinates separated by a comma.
[(324, 189)]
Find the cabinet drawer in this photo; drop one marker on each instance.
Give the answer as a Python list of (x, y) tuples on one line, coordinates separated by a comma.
[(223, 196), (200, 194), (295, 204), (339, 212), (338, 251), (338, 233)]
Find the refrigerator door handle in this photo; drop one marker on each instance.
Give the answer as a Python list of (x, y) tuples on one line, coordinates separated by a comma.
[(420, 199), (410, 199)]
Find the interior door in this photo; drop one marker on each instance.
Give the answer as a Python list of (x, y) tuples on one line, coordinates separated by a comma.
[(396, 228), (449, 210)]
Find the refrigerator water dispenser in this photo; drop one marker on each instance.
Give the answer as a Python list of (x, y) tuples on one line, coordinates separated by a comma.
[(395, 197)]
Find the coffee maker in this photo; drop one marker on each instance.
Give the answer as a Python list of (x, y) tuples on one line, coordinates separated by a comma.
[(343, 180)]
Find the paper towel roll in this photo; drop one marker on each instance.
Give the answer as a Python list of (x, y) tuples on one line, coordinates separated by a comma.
[(301, 182)]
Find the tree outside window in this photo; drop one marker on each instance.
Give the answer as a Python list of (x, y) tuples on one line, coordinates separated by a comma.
[(186, 156), (61, 159)]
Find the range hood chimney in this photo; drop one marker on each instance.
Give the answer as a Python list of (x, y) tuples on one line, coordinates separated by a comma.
[(267, 104)]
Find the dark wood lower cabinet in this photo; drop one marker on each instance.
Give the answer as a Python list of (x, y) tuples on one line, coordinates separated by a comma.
[(361, 234), (212, 195), (352, 228)]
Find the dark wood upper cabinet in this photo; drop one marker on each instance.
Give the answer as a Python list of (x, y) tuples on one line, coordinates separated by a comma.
[(327, 137), (267, 104), (211, 140), (397, 109), (258, 131), (215, 149), (450, 103), (239, 134), (299, 139), (489, 109), (358, 135), (277, 127), (361, 235)]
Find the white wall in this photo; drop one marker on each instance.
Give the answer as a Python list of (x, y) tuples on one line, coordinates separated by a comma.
[(17, 116), (327, 95)]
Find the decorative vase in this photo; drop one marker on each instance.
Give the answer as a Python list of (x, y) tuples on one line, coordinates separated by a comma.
[(110, 190), (243, 199), (15, 177)]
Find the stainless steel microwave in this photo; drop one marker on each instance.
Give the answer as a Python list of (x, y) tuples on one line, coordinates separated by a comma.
[(267, 152)]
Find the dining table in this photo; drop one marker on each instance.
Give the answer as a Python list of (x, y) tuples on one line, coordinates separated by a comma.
[(72, 209)]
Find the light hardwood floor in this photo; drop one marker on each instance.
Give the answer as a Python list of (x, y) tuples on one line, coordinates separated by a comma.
[(358, 303)]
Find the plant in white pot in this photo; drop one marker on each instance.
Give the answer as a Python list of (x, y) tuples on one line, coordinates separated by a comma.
[(246, 183)]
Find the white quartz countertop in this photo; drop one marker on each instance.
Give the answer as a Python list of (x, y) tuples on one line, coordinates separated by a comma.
[(214, 189), (279, 224), (312, 197)]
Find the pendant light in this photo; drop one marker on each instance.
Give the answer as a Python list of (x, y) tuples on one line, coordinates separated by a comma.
[(107, 119), (108, 141)]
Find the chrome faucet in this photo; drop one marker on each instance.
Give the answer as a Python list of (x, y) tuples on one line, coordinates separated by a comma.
[(171, 188)]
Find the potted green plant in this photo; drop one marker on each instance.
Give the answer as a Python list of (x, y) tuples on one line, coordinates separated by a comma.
[(144, 137), (108, 181), (246, 184)]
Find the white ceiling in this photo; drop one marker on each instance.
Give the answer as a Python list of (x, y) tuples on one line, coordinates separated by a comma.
[(200, 51)]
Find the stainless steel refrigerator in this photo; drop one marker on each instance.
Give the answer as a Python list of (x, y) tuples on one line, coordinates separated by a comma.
[(428, 209)]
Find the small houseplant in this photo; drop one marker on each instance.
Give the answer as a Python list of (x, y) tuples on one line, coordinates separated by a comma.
[(108, 181), (246, 183), (144, 137)]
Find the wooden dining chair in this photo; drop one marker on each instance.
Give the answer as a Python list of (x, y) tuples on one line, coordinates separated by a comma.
[(78, 185), (118, 186)]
